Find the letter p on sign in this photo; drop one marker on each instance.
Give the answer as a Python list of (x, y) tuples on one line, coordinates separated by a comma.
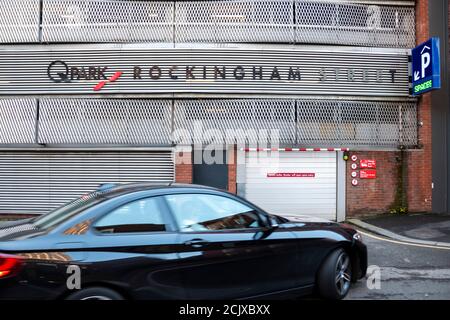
[(426, 59)]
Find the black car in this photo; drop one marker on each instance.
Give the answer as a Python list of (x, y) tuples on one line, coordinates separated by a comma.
[(141, 241)]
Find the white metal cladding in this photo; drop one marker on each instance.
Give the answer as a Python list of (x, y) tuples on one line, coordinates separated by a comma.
[(314, 196), (340, 72), (231, 121), (346, 22), (235, 21), (105, 121), (335, 122), (365, 24), (19, 21), (34, 183), (17, 121), (107, 21)]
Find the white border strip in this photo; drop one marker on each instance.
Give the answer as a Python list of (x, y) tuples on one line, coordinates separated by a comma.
[(294, 149)]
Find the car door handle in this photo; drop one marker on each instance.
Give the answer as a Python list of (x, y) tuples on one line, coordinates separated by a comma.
[(196, 243)]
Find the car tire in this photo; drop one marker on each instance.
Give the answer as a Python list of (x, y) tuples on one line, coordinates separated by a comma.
[(334, 276), (95, 293)]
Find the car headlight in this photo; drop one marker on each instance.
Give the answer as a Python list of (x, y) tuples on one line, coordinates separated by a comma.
[(357, 236)]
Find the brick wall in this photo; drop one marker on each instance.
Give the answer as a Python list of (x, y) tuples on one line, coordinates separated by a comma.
[(373, 196), (232, 161), (183, 167)]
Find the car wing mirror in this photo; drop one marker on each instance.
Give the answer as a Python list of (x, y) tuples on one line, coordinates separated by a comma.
[(273, 224), (266, 231)]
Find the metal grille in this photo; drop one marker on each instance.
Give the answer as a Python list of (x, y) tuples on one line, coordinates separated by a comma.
[(19, 21), (345, 22), (338, 22), (351, 123), (319, 122), (107, 20), (17, 121), (140, 122), (33, 183), (235, 21), (243, 121), (105, 121)]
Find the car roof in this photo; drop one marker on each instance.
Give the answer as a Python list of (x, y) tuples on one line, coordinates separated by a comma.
[(114, 190)]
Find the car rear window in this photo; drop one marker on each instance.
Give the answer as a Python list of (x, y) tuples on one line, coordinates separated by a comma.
[(61, 214)]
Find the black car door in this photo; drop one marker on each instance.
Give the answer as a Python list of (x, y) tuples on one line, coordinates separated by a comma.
[(135, 245), (227, 251)]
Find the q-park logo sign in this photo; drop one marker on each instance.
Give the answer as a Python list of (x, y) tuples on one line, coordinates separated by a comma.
[(426, 67), (59, 71)]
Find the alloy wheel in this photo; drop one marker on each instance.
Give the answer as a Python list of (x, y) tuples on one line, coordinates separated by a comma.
[(342, 273)]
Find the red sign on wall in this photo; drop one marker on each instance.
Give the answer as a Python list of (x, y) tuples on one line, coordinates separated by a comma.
[(291, 175), (368, 174), (367, 164)]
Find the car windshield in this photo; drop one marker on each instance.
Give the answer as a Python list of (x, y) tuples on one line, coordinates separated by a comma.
[(61, 214)]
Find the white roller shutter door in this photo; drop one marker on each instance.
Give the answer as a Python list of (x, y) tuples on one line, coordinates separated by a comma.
[(302, 183), (36, 182)]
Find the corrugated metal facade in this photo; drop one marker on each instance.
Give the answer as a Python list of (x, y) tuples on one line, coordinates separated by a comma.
[(36, 182), (320, 73)]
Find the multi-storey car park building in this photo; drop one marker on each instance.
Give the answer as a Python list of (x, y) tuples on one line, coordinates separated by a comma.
[(91, 91)]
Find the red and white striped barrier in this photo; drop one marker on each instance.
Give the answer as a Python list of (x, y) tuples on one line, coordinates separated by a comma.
[(294, 149)]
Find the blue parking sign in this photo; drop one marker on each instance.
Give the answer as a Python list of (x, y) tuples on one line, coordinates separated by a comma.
[(426, 69)]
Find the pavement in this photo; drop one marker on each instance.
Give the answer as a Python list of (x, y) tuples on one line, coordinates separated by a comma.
[(426, 229)]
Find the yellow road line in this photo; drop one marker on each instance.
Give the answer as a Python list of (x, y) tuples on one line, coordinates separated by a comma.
[(402, 242)]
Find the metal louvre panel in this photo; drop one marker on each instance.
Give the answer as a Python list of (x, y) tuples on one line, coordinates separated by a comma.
[(229, 119), (234, 21), (29, 75), (33, 183), (105, 121), (17, 120), (19, 21), (107, 21), (351, 123), (341, 22)]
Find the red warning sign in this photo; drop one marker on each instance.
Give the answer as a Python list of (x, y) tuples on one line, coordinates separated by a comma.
[(368, 174), (367, 164)]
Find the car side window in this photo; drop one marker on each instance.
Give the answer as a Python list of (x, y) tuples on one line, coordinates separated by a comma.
[(205, 212), (143, 215)]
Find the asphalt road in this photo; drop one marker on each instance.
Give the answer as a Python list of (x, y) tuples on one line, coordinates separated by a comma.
[(407, 272)]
